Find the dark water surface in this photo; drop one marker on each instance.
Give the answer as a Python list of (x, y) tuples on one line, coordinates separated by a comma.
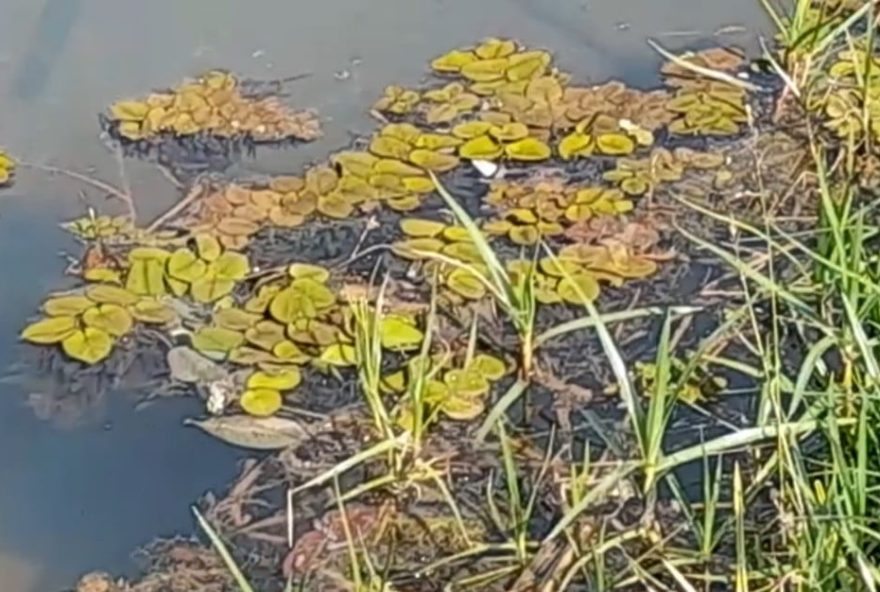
[(83, 497)]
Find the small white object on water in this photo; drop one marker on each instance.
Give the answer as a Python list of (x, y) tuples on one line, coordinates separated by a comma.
[(487, 168), (220, 393)]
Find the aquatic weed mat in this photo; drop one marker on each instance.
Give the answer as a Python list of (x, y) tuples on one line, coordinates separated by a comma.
[(268, 292)]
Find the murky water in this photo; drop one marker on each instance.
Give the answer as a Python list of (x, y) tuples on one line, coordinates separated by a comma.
[(82, 498)]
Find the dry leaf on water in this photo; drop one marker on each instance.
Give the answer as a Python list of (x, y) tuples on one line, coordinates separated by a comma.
[(259, 433)]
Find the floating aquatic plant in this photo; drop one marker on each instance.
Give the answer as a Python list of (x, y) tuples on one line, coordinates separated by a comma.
[(7, 168), (449, 102), (486, 141), (213, 104), (716, 109), (207, 272), (88, 322), (397, 100), (436, 243)]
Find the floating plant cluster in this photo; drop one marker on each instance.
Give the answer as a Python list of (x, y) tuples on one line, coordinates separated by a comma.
[(266, 332), (7, 168), (213, 104)]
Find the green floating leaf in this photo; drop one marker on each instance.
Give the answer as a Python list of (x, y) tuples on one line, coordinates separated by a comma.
[(208, 247), (489, 366), (281, 380), (146, 277), (110, 318), (229, 266), (261, 402), (290, 352), (235, 319), (51, 330), (399, 333), (216, 341), (89, 345), (339, 354), (308, 271), (153, 312), (67, 306), (211, 288), (183, 265), (466, 284), (107, 294), (265, 334)]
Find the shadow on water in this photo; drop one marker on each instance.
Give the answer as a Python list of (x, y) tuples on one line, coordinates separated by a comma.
[(83, 498)]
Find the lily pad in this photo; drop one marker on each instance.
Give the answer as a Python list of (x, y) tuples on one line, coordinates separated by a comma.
[(261, 402), (471, 129), (235, 319), (308, 271), (481, 148), (67, 306), (577, 287), (216, 341), (185, 266), (211, 288), (485, 70), (528, 149), (575, 144), (421, 228), (339, 354), (208, 247), (51, 330), (489, 366), (152, 312), (466, 284), (281, 380), (110, 318), (615, 144), (415, 248), (89, 345), (431, 160), (399, 333)]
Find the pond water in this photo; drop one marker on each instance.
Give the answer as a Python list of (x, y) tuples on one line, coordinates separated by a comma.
[(81, 493)]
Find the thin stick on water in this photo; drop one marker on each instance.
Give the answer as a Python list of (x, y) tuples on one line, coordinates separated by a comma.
[(96, 183)]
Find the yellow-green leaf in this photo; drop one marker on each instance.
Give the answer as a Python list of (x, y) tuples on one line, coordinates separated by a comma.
[(66, 306), (51, 330), (307, 270), (615, 144), (110, 318), (575, 144), (421, 228), (216, 341), (265, 334), (576, 287), (489, 366), (261, 402), (229, 266), (153, 312), (415, 248), (280, 380), (466, 284), (397, 333), (185, 266), (431, 160), (485, 70), (339, 354), (235, 319), (89, 345), (146, 277), (528, 149), (208, 247), (471, 129), (107, 294), (481, 148), (211, 288), (290, 352)]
